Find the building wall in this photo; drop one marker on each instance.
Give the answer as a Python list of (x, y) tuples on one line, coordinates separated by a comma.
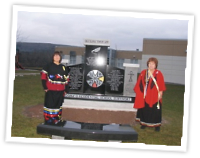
[(66, 50), (140, 63), (129, 54), (171, 55), (172, 67), (78, 59), (165, 47)]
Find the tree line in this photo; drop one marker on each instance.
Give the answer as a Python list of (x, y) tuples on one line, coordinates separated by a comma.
[(34, 54), (34, 59)]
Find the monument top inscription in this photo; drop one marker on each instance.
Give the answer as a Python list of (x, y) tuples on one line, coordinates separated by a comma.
[(97, 42)]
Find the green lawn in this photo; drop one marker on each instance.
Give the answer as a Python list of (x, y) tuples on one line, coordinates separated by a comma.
[(28, 91)]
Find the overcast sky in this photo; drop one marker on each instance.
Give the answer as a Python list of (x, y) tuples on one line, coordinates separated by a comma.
[(124, 33)]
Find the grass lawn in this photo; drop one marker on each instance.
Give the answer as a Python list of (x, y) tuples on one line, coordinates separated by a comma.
[(28, 91)]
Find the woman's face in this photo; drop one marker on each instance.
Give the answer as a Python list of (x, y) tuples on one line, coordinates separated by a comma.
[(56, 58), (152, 65)]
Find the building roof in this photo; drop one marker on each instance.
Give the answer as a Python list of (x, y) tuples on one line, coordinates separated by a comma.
[(165, 39)]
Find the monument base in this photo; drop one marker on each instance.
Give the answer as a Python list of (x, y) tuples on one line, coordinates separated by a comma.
[(81, 131), (99, 116), (102, 112)]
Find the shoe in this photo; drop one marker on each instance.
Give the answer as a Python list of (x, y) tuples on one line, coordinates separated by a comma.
[(142, 127), (61, 123), (157, 129), (48, 123)]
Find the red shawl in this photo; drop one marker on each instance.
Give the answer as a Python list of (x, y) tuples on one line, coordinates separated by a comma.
[(152, 93)]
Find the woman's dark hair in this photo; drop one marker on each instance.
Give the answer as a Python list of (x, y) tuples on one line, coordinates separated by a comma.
[(56, 53)]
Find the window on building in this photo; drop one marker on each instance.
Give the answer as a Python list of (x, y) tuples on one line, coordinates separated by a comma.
[(72, 57), (83, 59), (112, 56), (120, 63), (108, 53), (107, 61), (112, 62), (134, 61), (64, 56)]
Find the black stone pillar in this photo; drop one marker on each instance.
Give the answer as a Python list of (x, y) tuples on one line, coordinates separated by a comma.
[(95, 67)]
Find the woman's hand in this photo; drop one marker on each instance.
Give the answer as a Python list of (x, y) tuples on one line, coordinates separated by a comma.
[(160, 95), (46, 90)]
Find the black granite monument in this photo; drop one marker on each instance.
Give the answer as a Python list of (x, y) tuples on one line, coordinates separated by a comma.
[(95, 69), (94, 79)]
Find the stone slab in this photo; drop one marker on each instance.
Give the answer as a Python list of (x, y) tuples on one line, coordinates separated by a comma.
[(73, 130), (99, 105), (130, 79)]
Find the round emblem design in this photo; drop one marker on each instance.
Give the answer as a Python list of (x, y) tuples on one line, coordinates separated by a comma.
[(95, 78)]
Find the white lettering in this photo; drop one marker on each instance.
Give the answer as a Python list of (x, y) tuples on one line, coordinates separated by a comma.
[(97, 42), (91, 61), (99, 97)]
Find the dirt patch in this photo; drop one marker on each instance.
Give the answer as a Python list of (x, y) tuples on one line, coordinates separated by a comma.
[(35, 111), (164, 121)]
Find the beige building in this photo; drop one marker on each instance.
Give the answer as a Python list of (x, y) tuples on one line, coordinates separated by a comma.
[(171, 55)]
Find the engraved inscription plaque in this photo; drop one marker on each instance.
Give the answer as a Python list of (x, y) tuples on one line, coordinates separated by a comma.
[(75, 78), (114, 80)]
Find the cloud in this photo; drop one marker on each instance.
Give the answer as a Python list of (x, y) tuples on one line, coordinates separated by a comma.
[(123, 32)]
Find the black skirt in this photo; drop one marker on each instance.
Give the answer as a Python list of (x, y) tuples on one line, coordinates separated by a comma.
[(150, 117), (53, 99)]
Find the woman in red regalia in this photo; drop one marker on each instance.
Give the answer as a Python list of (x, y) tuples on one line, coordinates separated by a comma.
[(149, 91), (55, 79)]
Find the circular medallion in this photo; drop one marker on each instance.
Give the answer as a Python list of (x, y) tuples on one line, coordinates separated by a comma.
[(95, 78)]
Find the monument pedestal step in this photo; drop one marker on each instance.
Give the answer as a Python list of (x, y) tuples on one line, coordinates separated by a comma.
[(73, 130), (98, 105)]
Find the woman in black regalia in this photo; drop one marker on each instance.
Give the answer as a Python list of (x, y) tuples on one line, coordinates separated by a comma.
[(55, 79)]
